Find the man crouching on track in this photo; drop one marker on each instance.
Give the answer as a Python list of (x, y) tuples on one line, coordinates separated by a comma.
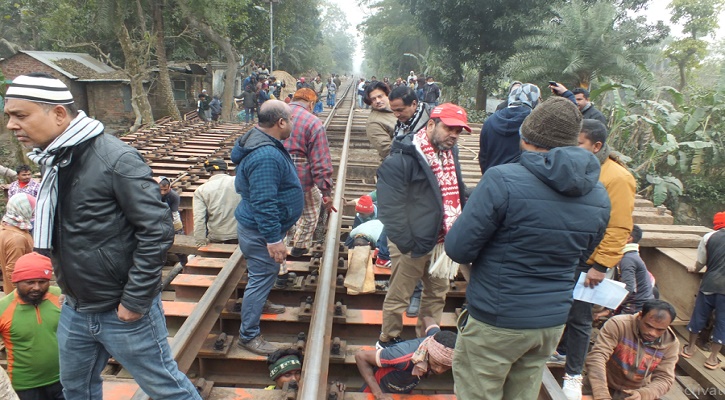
[(100, 218), (399, 368), (420, 195), (525, 228), (271, 203)]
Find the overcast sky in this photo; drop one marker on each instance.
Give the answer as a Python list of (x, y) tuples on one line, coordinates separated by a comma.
[(356, 14)]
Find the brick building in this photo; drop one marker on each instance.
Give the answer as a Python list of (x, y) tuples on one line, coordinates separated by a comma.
[(99, 90)]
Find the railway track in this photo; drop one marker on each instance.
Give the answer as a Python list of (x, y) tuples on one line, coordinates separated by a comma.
[(202, 303)]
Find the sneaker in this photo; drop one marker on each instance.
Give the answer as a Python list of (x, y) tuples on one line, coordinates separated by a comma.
[(271, 308), (557, 359), (298, 251), (392, 342), (572, 387), (383, 263), (413, 307), (257, 346)]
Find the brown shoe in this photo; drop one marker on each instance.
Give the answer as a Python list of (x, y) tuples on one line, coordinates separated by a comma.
[(271, 308), (258, 346)]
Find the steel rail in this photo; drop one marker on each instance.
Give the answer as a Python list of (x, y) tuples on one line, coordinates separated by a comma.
[(190, 337), (317, 355)]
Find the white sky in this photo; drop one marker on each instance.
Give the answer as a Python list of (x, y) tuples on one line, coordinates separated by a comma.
[(355, 14)]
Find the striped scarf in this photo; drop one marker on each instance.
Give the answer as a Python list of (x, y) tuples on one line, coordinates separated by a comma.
[(82, 128), (443, 166)]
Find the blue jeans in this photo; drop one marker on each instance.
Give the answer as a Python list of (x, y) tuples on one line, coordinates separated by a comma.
[(262, 271), (86, 340), (382, 245), (249, 113), (360, 103)]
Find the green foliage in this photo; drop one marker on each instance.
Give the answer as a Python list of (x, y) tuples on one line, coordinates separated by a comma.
[(586, 42), (668, 140)]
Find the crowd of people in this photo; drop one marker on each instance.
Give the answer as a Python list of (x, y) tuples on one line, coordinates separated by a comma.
[(554, 203)]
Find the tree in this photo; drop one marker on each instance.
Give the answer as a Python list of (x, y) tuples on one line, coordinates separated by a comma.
[(164, 81), (582, 43), (393, 45), (699, 19), (479, 32)]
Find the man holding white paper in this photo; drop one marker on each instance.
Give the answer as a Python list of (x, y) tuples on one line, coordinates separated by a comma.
[(621, 188)]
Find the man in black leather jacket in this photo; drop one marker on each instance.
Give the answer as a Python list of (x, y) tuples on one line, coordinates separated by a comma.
[(101, 220)]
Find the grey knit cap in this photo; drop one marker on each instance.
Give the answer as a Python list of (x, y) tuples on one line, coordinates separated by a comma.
[(554, 123)]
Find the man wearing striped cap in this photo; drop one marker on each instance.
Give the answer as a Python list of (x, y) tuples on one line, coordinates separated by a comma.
[(100, 218)]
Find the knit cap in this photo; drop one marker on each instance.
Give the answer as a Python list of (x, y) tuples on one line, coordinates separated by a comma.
[(305, 94), (554, 123), (365, 205)]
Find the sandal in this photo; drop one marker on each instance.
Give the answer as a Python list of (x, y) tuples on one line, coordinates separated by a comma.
[(712, 366), (683, 354)]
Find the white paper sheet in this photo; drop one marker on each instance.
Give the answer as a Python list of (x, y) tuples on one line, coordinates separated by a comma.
[(608, 293)]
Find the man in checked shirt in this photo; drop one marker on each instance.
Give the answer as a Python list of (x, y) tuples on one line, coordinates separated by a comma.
[(311, 154)]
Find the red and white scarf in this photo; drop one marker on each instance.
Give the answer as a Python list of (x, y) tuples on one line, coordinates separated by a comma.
[(443, 166)]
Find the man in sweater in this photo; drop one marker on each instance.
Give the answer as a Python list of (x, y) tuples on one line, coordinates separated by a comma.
[(499, 141), (710, 254), (519, 293), (621, 188), (214, 204), (24, 183), (272, 201), (28, 322), (634, 356), (580, 97)]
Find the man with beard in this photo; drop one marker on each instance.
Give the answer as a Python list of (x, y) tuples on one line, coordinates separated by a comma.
[(29, 318), (412, 115), (420, 195)]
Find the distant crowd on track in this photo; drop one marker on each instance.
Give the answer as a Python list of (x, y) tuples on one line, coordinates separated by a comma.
[(553, 209)]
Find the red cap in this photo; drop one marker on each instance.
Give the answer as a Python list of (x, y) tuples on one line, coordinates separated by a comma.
[(365, 205), (302, 79), (718, 221), (451, 115), (32, 266)]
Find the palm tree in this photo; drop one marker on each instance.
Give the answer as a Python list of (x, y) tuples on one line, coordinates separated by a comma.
[(581, 44)]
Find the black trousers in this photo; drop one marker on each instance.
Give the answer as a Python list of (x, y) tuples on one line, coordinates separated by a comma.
[(50, 392)]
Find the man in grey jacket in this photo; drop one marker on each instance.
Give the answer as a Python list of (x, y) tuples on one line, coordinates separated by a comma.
[(100, 218)]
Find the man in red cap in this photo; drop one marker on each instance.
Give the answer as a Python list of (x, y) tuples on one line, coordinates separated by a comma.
[(420, 194), (711, 296), (29, 318)]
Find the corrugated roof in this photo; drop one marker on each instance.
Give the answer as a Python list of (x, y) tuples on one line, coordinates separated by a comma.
[(50, 57)]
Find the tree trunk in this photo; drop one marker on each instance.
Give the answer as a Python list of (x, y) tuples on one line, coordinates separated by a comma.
[(683, 77), (167, 93), (481, 92), (231, 55), (136, 72)]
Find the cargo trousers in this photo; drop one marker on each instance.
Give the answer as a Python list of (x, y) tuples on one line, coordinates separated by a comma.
[(405, 273)]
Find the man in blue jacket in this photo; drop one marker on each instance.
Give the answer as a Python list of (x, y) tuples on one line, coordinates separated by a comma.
[(499, 142), (271, 204), (524, 229)]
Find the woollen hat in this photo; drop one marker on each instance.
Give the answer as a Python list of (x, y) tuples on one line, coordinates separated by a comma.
[(39, 89), (215, 164), (718, 221), (451, 115), (365, 205), (284, 365), (554, 123), (305, 94), (32, 266)]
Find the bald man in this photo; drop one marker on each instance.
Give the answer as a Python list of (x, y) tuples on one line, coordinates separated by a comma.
[(271, 203)]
